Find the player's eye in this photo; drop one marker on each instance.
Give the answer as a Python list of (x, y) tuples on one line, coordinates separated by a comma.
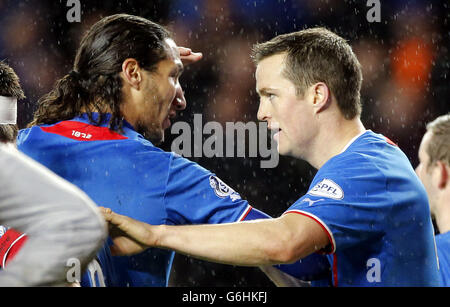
[(175, 74)]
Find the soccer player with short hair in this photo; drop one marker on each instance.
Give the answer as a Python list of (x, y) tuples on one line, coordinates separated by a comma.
[(365, 208), (59, 220), (434, 172), (98, 129)]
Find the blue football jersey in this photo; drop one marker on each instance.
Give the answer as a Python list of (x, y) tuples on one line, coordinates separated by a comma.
[(443, 250), (375, 211), (101, 272), (125, 172)]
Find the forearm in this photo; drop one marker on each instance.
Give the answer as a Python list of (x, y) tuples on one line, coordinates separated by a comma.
[(253, 243)]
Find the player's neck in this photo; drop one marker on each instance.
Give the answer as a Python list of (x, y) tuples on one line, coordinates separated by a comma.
[(333, 140), (443, 215), (104, 109)]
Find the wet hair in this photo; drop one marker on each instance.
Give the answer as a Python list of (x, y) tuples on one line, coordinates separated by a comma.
[(439, 145), (318, 55), (95, 84), (9, 87)]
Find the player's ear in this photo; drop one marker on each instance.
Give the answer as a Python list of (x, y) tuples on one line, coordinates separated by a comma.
[(443, 171), (132, 73), (322, 97)]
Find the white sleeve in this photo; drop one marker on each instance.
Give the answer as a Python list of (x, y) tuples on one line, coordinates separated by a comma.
[(60, 221)]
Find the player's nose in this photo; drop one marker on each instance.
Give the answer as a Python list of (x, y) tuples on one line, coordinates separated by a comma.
[(179, 102), (262, 114)]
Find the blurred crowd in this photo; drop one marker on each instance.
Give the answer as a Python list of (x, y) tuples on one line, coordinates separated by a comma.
[(404, 57)]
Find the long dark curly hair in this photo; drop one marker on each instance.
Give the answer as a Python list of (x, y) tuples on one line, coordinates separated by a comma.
[(95, 84)]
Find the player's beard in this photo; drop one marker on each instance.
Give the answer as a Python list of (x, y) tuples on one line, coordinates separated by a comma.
[(150, 126), (152, 132)]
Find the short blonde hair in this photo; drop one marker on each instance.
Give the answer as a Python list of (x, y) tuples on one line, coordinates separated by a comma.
[(439, 145)]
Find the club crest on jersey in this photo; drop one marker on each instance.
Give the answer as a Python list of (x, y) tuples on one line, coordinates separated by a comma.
[(327, 188), (221, 189)]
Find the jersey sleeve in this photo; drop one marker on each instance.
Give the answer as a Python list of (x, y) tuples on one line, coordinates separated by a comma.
[(194, 195), (10, 244), (350, 203)]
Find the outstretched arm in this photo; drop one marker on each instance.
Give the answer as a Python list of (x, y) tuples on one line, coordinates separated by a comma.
[(251, 243)]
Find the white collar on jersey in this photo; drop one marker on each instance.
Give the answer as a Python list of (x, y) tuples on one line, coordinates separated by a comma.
[(8, 110), (352, 140)]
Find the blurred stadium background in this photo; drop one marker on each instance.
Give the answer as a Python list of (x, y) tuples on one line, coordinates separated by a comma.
[(405, 60)]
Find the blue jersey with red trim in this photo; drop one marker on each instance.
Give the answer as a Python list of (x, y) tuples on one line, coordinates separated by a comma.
[(125, 172), (443, 250), (375, 211)]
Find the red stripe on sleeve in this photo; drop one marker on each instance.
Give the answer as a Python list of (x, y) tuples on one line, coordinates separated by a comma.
[(390, 142), (335, 270), (246, 213)]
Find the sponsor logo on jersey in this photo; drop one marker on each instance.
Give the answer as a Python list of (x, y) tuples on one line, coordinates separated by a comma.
[(222, 190), (327, 188)]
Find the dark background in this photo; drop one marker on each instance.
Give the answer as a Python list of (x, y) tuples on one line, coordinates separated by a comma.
[(405, 60)]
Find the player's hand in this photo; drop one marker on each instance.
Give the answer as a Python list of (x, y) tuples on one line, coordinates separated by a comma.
[(189, 57), (129, 235)]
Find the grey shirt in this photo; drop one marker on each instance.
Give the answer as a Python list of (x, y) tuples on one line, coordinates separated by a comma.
[(62, 224)]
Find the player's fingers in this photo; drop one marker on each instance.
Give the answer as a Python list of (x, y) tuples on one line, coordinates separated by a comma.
[(121, 223), (123, 226), (184, 51), (104, 210), (191, 58), (113, 218), (106, 213)]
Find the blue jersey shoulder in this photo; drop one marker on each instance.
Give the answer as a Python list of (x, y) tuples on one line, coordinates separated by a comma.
[(370, 203)]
